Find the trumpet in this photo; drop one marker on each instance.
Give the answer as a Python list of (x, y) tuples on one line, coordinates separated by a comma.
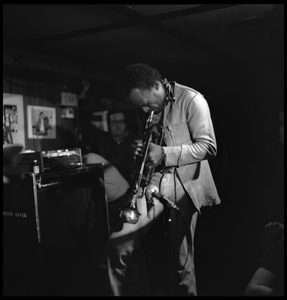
[(129, 212)]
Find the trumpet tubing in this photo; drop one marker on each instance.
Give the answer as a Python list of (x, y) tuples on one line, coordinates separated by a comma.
[(129, 212)]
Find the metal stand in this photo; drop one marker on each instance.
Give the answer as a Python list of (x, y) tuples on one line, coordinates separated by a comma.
[(167, 225)]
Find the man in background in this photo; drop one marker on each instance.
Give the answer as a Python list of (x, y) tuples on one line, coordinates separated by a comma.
[(114, 149), (268, 279), (114, 145)]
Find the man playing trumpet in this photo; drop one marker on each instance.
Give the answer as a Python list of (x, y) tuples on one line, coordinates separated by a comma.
[(181, 177)]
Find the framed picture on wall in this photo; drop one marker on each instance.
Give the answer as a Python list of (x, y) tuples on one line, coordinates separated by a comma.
[(13, 119), (41, 122)]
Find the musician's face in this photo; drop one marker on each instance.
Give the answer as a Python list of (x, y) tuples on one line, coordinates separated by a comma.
[(148, 99)]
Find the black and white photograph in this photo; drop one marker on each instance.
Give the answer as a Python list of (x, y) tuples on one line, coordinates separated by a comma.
[(151, 158), (13, 119), (41, 122)]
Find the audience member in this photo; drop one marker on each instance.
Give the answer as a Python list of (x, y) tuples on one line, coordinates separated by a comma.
[(113, 148), (10, 159), (115, 184), (114, 145), (268, 279)]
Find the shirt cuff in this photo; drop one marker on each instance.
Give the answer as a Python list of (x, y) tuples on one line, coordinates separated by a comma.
[(171, 155)]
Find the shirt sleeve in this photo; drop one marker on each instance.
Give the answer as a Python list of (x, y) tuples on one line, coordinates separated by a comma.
[(202, 144)]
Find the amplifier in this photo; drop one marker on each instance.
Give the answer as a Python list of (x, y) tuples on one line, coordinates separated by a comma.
[(48, 161), (54, 236), (54, 160)]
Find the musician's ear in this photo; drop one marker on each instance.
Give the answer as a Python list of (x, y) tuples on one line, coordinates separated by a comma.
[(156, 85)]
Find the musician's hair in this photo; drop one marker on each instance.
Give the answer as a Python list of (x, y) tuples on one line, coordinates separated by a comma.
[(134, 76)]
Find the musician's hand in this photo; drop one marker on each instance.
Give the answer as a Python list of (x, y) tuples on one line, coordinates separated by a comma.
[(270, 224), (137, 147), (155, 155), (273, 231)]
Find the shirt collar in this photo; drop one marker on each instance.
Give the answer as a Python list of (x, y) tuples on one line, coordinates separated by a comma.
[(169, 88)]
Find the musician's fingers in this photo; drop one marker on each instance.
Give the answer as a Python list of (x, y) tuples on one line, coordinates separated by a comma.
[(138, 153), (149, 165), (136, 146), (139, 191), (136, 143)]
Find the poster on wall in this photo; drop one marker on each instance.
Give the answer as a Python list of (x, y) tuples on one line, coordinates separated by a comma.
[(13, 119), (41, 122)]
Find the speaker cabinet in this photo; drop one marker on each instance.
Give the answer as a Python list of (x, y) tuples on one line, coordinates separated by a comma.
[(55, 231)]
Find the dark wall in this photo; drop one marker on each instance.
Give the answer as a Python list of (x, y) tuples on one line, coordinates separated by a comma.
[(42, 94), (249, 174), (47, 94)]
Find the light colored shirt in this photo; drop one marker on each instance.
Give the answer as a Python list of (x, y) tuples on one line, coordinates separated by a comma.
[(115, 184)]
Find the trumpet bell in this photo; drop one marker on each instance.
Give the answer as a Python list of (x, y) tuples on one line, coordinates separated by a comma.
[(129, 212)]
